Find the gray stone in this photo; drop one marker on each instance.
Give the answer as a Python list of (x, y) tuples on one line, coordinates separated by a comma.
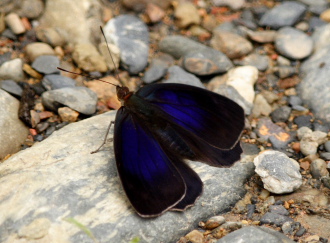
[(281, 114), (287, 227), (284, 14), (319, 169), (293, 43), (285, 71), (303, 120), (252, 234), (178, 75), (54, 81), (179, 46), (12, 69), (325, 156), (58, 180), (313, 88), (274, 218), (278, 209), (14, 131), (267, 130), (231, 93), (237, 47), (131, 35), (261, 106), (279, 173), (81, 99), (156, 71), (205, 63), (295, 100), (259, 61), (327, 146), (11, 87), (265, 36), (46, 64)]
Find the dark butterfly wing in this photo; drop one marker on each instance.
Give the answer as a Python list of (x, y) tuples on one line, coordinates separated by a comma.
[(213, 118), (154, 180), (194, 187)]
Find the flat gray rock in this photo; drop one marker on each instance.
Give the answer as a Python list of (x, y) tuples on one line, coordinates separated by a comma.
[(314, 87), (179, 46), (253, 234), (46, 64), (55, 81), (293, 43), (81, 99), (284, 14), (178, 75), (131, 35), (58, 179)]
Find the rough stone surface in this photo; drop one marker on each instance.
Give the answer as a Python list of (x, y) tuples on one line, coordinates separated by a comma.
[(131, 35), (46, 64), (315, 81), (285, 14), (279, 173), (293, 43), (81, 99), (253, 234), (235, 48), (178, 75), (58, 179), (15, 131)]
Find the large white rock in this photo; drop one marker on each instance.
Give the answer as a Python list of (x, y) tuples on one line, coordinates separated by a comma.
[(43, 187)]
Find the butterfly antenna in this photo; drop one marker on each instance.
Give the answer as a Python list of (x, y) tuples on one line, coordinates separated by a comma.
[(113, 62), (87, 76)]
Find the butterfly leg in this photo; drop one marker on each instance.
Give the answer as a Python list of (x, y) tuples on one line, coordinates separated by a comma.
[(105, 138)]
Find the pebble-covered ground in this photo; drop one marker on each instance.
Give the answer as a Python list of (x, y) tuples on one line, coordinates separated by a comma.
[(271, 57)]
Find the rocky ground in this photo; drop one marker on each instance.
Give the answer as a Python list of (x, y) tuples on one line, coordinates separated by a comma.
[(271, 57)]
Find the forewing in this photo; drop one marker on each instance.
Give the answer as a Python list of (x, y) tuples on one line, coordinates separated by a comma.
[(213, 118), (149, 177)]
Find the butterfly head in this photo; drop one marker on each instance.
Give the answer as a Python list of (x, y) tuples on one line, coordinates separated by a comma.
[(123, 92)]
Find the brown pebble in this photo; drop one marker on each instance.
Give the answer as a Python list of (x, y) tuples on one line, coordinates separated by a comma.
[(67, 114), (35, 118), (296, 147), (154, 13), (26, 23), (195, 236), (33, 131), (33, 73), (45, 114), (304, 165)]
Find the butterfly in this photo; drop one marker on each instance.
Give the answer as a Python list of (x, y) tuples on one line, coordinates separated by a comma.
[(159, 127)]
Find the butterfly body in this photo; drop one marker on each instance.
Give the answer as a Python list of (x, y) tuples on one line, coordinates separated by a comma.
[(160, 126)]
